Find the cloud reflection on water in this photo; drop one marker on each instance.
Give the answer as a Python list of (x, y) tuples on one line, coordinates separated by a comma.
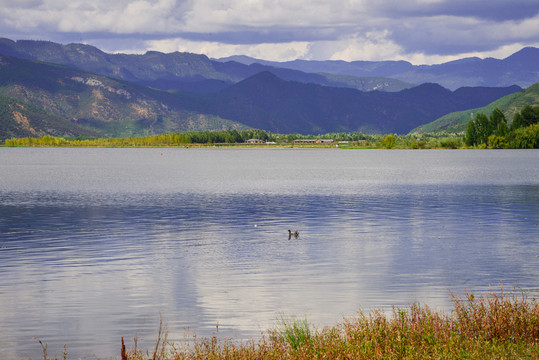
[(86, 267)]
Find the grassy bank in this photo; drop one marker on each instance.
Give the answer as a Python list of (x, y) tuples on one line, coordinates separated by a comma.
[(493, 326), (224, 139)]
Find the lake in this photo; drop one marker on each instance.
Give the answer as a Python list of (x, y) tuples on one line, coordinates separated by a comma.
[(96, 244)]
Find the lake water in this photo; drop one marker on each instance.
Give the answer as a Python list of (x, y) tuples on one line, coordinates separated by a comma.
[(95, 244)]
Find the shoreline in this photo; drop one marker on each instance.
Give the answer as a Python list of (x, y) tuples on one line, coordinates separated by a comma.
[(501, 325)]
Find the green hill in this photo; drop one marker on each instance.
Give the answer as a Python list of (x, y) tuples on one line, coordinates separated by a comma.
[(456, 122)]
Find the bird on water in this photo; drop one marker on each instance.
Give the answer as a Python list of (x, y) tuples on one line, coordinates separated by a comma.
[(295, 234)]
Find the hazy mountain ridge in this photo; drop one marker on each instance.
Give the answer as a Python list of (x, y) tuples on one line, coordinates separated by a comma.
[(198, 73), (264, 101), (521, 68), (110, 106), (179, 71)]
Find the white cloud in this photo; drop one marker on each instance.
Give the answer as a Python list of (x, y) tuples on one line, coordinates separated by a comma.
[(99, 16), (428, 30), (216, 16), (371, 46), (267, 51)]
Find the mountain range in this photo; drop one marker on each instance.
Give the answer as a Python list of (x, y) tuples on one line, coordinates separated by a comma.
[(267, 102), (78, 90), (177, 71), (38, 99), (521, 68)]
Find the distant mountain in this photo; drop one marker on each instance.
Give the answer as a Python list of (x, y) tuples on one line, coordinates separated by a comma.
[(175, 71), (197, 73), (521, 68), (107, 106), (267, 102), (509, 105), (58, 100)]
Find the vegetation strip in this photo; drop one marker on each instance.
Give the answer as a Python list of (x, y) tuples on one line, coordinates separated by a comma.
[(482, 132), (492, 326)]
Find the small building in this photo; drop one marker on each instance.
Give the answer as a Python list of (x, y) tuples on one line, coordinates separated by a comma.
[(313, 141), (255, 141)]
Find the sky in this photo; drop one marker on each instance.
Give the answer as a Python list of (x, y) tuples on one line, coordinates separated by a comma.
[(419, 31)]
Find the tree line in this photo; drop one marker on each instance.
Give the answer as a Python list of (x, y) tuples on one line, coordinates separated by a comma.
[(482, 131), (182, 138), (493, 132)]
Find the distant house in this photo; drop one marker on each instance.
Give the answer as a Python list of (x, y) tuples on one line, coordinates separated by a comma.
[(255, 141), (313, 141)]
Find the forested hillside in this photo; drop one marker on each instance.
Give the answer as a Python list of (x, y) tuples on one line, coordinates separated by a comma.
[(509, 105)]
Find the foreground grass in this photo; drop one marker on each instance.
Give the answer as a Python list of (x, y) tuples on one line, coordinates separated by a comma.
[(493, 326)]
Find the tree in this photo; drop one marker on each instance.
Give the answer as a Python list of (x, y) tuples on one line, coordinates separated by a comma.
[(527, 116), (524, 137), (483, 128), (471, 133), (497, 142), (498, 123), (389, 141)]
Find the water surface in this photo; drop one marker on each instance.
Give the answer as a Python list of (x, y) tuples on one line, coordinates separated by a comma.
[(96, 243)]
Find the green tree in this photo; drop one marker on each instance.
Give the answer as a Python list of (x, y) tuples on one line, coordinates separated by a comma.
[(471, 133), (389, 141), (498, 123), (483, 128), (497, 142), (527, 116), (524, 137)]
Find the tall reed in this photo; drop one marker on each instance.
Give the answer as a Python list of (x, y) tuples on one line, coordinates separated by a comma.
[(495, 325)]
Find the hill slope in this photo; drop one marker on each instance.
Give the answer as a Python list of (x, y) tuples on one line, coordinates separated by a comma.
[(264, 101), (112, 107), (100, 105), (178, 71), (509, 105), (18, 119)]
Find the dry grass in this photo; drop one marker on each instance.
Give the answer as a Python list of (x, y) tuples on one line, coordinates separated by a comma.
[(492, 326)]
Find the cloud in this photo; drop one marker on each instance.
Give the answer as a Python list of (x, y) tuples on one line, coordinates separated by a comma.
[(495, 10), (78, 16), (269, 51), (282, 29), (459, 35)]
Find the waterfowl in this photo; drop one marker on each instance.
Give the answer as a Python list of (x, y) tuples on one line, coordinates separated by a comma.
[(294, 234)]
